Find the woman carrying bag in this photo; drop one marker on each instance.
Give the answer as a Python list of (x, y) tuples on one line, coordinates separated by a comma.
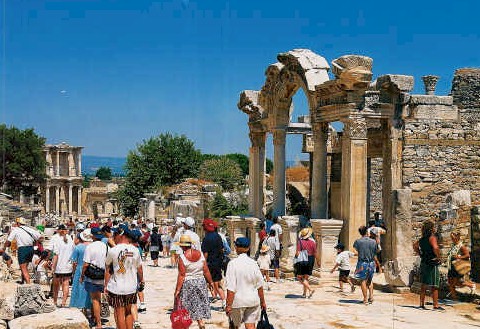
[(303, 268), (191, 289)]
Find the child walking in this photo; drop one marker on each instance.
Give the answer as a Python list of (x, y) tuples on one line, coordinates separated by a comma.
[(343, 263), (264, 263)]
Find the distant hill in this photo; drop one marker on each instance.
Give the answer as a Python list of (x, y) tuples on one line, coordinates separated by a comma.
[(91, 163)]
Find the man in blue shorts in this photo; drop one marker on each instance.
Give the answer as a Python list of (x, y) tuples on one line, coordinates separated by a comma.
[(367, 250)]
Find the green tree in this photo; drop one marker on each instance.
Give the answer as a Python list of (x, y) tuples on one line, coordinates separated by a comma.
[(159, 161), (269, 166), (104, 173), (220, 207), (22, 161), (223, 171), (242, 161)]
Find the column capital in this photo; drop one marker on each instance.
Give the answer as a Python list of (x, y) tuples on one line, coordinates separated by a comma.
[(355, 127), (320, 127), (279, 136), (258, 138)]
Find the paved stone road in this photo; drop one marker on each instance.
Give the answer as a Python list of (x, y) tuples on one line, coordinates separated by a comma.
[(327, 308)]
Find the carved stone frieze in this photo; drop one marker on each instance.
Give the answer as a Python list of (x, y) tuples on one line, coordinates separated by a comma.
[(430, 82), (248, 104), (355, 128), (353, 71)]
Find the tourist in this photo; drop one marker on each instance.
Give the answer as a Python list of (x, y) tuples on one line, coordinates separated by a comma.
[(94, 259), (143, 241), (375, 233), (193, 275), (263, 262), (175, 250), (122, 284), (212, 248), (155, 246), (80, 297), (278, 230), (166, 240), (304, 270), (457, 252), (135, 236), (342, 262), (62, 249), (274, 252), (244, 283), (189, 227), (7, 259), (25, 238), (108, 236), (42, 266), (367, 250), (262, 235), (427, 248)]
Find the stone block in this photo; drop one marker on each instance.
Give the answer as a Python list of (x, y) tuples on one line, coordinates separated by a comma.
[(399, 272), (63, 318), (7, 300), (460, 198), (30, 299)]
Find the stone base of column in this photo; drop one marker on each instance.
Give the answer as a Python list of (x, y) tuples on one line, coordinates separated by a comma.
[(236, 228), (289, 241), (326, 232), (399, 272)]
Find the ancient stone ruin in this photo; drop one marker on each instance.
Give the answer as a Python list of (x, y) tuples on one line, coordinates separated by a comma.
[(412, 157)]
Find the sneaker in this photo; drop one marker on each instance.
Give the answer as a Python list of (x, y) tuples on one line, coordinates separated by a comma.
[(142, 308), (353, 288), (224, 304), (136, 325)]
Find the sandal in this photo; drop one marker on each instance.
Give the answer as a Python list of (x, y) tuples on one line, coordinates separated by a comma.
[(311, 293), (370, 300)]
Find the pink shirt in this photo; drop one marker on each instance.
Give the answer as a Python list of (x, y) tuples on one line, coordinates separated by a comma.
[(310, 245)]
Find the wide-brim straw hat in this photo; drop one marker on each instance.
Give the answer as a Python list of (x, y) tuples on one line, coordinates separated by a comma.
[(305, 233), (264, 248), (21, 221), (185, 241)]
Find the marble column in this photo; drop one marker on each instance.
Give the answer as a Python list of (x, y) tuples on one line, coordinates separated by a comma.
[(354, 178), (71, 164), (79, 198), (252, 224), (57, 170), (79, 163), (289, 240), (319, 196), (47, 199), (279, 187), (150, 205), (257, 173), (326, 232), (70, 199), (57, 199)]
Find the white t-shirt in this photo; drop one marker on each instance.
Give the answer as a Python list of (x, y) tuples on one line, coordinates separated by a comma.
[(125, 259), (22, 237), (95, 254), (343, 260), (244, 278), (64, 252), (278, 231)]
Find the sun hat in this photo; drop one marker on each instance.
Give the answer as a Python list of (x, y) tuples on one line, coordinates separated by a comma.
[(264, 248), (80, 226), (209, 225), (21, 221), (185, 241), (86, 235), (61, 227), (189, 221), (41, 228), (305, 233), (242, 242), (97, 233)]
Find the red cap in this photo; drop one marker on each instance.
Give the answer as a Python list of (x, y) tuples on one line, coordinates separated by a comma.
[(209, 225)]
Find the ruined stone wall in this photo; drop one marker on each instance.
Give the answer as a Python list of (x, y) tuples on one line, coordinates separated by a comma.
[(441, 155), (376, 186)]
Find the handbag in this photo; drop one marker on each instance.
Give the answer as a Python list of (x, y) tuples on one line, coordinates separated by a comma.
[(180, 317), (302, 257), (462, 266), (264, 323)]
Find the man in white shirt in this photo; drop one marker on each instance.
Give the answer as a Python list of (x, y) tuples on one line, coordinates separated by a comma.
[(244, 283), (278, 231), (127, 274), (26, 238), (62, 266)]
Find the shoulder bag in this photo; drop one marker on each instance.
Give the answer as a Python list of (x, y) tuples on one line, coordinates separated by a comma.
[(302, 257), (94, 272), (462, 266), (264, 323)]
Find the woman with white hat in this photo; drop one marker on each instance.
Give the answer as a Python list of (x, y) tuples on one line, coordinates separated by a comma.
[(191, 288), (303, 270), (80, 297)]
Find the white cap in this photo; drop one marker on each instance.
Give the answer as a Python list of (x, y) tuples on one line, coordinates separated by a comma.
[(189, 221)]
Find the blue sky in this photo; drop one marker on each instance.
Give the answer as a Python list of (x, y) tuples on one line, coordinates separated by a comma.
[(108, 74)]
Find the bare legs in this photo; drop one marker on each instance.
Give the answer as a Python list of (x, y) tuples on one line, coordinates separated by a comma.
[(64, 283), (123, 317), (423, 292), (303, 280), (367, 287), (96, 299), (25, 274)]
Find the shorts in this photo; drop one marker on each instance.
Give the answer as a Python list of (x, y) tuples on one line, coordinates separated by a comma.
[(62, 275), (216, 273), (245, 315), (275, 263), (91, 287), (365, 271), (343, 275), (154, 255), (121, 300), (25, 254)]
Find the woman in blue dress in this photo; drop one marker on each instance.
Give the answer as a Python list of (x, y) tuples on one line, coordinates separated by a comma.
[(80, 297)]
